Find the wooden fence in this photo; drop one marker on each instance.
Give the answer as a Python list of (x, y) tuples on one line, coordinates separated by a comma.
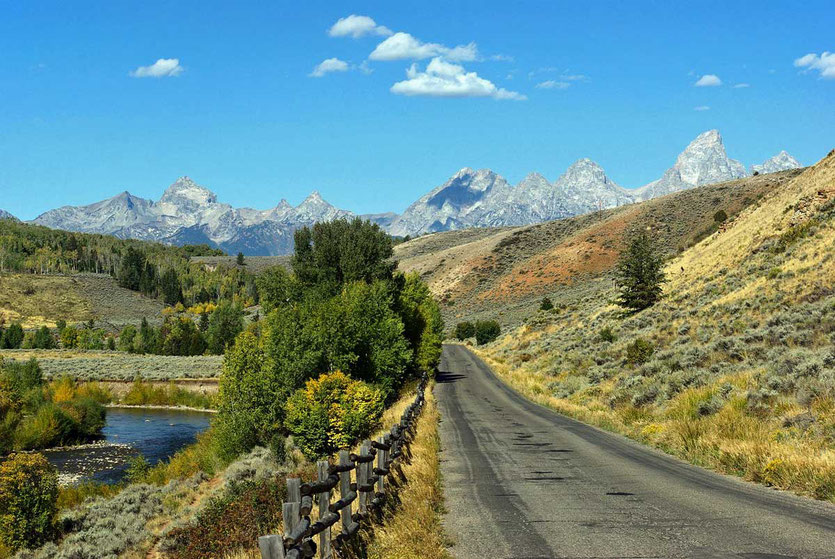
[(367, 490)]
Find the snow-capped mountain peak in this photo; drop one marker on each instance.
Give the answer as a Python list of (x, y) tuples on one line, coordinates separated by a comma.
[(779, 162)]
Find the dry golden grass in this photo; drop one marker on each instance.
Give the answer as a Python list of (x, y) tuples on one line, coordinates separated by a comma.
[(730, 441), (37, 300), (414, 528)]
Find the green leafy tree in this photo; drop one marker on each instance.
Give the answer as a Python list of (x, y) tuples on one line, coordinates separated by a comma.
[(278, 288), (127, 337), (181, 337), (639, 274), (341, 251), (43, 339), (464, 330), (422, 322), (486, 331), (249, 412), (28, 494), (226, 322)]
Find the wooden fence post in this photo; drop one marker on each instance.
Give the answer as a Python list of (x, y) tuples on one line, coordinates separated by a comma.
[(272, 547), (381, 465), (290, 509), (324, 502), (362, 477), (345, 488)]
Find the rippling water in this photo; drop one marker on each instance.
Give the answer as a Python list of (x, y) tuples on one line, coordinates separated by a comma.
[(156, 434)]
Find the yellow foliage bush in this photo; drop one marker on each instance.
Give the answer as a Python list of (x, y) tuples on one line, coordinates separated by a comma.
[(332, 412)]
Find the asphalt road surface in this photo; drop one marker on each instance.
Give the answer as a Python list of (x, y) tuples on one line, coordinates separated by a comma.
[(522, 481)]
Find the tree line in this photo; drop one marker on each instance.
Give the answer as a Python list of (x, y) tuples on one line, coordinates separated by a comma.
[(154, 269), (342, 331)]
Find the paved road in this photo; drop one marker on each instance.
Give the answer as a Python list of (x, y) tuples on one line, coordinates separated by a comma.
[(522, 481)]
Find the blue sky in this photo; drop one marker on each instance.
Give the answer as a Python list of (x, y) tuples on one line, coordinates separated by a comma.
[(235, 101)]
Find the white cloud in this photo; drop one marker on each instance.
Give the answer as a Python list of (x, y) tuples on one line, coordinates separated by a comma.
[(701, 108), (824, 64), (444, 79), (329, 65), (366, 68), (501, 58), (553, 84), (403, 46), (164, 67), (741, 85), (355, 26), (708, 80)]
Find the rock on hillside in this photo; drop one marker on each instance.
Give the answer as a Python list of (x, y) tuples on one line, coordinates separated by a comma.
[(779, 162)]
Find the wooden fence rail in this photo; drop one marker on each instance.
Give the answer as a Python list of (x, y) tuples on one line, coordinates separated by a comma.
[(367, 490)]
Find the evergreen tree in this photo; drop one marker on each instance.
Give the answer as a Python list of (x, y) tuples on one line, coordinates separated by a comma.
[(639, 274), (240, 259), (12, 337), (130, 272), (172, 291), (203, 324)]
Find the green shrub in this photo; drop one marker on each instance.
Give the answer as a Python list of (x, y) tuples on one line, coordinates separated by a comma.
[(720, 216), (43, 339), (607, 335), (464, 330), (28, 493), (639, 351), (546, 304), (486, 331), (138, 468), (332, 412)]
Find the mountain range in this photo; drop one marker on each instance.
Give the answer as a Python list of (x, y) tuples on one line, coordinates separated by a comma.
[(188, 213)]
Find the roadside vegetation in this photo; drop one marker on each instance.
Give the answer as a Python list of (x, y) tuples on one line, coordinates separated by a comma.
[(413, 527), (341, 336), (732, 368)]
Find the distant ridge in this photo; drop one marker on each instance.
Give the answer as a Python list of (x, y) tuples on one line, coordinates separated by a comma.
[(189, 213)]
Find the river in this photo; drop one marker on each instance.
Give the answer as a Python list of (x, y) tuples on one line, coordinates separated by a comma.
[(155, 433)]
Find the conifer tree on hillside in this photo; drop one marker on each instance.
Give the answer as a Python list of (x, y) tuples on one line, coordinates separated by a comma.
[(639, 274)]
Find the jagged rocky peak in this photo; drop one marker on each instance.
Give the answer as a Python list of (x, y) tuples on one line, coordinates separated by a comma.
[(6, 215), (186, 190), (780, 162), (584, 171), (705, 161), (464, 188)]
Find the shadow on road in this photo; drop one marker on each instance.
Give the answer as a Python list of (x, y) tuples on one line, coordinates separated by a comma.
[(444, 377)]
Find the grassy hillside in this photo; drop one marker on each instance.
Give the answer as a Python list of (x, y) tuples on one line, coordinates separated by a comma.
[(35, 300), (502, 273), (735, 368)]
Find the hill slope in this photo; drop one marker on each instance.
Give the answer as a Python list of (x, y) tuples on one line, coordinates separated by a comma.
[(735, 369), (503, 272)]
